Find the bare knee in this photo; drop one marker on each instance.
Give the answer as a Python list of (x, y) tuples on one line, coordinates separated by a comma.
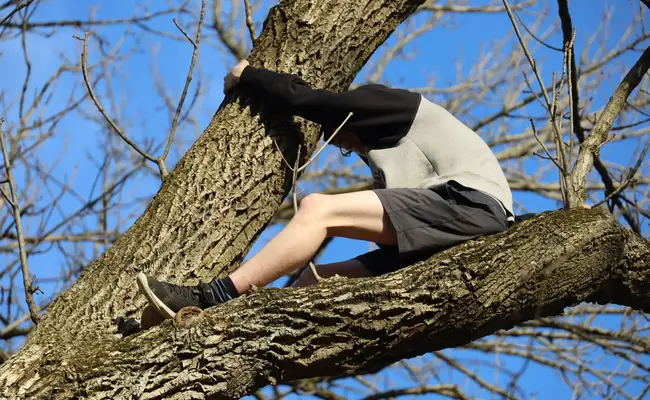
[(313, 208)]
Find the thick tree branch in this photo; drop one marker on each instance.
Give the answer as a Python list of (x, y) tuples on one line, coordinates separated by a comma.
[(591, 146), (347, 327)]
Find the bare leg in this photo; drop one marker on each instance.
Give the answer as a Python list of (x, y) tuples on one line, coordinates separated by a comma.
[(357, 215), (350, 268)]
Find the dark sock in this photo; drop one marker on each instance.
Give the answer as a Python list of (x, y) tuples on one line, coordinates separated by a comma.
[(224, 289)]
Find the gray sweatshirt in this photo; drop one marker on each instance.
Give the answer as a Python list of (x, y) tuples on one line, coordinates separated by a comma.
[(412, 142)]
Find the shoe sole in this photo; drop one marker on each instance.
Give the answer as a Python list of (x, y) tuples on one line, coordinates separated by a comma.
[(162, 309)]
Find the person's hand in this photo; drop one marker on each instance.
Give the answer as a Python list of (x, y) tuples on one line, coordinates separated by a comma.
[(232, 78)]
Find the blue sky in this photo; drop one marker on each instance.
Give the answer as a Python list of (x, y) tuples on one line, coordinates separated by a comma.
[(145, 119)]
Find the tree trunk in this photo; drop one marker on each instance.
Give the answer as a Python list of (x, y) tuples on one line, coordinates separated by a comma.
[(217, 201), (222, 193)]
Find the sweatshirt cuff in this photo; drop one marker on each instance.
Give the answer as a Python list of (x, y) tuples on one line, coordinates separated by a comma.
[(249, 75)]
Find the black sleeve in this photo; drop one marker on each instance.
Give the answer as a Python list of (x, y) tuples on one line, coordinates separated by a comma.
[(381, 115)]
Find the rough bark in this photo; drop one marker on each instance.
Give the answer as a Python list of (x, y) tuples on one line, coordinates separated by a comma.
[(352, 326), (218, 199)]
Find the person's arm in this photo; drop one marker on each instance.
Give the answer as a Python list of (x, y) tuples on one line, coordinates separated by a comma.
[(379, 113)]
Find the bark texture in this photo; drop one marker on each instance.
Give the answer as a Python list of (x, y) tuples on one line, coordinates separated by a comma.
[(351, 326), (220, 196), (218, 199)]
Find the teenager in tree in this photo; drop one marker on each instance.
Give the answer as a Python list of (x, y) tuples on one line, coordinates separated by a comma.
[(436, 184)]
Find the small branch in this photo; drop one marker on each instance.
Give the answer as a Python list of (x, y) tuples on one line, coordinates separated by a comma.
[(528, 56), (326, 143), (568, 34), (551, 107), (590, 147), (572, 87), (13, 201), (195, 43), (636, 206), (646, 2), (185, 33), (539, 40), (249, 21), (563, 157), (294, 196), (227, 34), (297, 169), (18, 8), (58, 23), (616, 192), (4, 356), (84, 70), (630, 176), (548, 153), (450, 7)]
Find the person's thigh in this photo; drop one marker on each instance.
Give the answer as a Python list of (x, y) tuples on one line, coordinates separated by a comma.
[(358, 215), (349, 268)]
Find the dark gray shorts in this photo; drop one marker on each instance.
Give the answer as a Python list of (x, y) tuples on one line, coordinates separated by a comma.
[(431, 220)]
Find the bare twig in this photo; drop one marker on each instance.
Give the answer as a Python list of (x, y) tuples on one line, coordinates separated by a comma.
[(556, 121), (539, 40), (18, 8), (235, 47), (551, 106), (249, 21), (528, 56), (630, 175), (634, 204), (629, 180), (572, 86), (12, 199), (568, 34), (548, 153), (9, 329), (84, 69), (102, 22), (646, 2), (446, 390), (160, 161), (277, 147), (297, 169), (326, 143), (294, 196), (451, 7)]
